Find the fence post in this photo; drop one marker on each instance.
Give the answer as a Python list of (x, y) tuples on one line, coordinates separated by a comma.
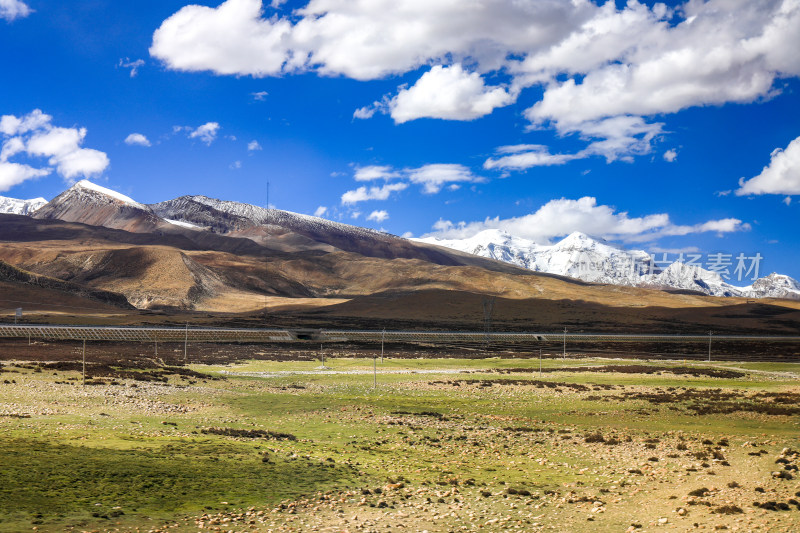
[(83, 358)]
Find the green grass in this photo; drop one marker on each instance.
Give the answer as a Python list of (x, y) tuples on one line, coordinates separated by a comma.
[(53, 484), (86, 460)]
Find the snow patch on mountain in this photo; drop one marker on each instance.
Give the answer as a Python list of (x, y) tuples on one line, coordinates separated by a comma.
[(89, 186), (182, 224), (20, 207)]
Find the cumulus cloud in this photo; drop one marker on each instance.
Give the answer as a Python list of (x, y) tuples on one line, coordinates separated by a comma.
[(362, 194), (230, 39), (670, 156), (321, 210), (448, 93), (11, 125), (592, 61), (378, 216), (137, 139), (12, 174), (561, 217), (260, 95), (253, 146), (206, 133), (781, 176), (34, 136), (12, 9)]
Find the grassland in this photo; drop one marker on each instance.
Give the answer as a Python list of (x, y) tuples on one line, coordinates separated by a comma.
[(438, 445)]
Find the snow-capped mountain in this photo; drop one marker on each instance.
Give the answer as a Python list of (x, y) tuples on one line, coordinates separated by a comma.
[(595, 260), (198, 218), (774, 286), (577, 256), (20, 207), (89, 203)]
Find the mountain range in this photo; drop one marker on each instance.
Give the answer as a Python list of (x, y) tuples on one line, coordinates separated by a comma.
[(94, 249), (597, 261)]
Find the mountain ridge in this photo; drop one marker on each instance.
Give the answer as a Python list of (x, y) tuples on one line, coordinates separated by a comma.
[(593, 260)]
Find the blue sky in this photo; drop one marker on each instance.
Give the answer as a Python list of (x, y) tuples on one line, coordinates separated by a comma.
[(634, 122)]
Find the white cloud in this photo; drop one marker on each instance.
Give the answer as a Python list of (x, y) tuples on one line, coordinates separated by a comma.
[(12, 147), (253, 146), (133, 65), (260, 95), (781, 176), (12, 9), (236, 165), (11, 125), (137, 139), (365, 112), (448, 93), (229, 39), (362, 194), (34, 136), (670, 156), (378, 216), (613, 138), (433, 177), (321, 210), (618, 137), (12, 174), (206, 133), (593, 61), (522, 156), (375, 172), (561, 217)]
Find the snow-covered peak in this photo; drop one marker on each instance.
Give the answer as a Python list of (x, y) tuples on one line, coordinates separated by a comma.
[(86, 185), (583, 257), (775, 286), (693, 278), (581, 241), (20, 207), (224, 216)]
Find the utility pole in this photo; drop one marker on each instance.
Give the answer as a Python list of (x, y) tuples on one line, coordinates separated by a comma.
[(710, 333), (540, 362), (186, 344), (84, 362), (565, 342)]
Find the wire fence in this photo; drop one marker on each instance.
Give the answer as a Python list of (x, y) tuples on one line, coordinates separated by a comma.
[(303, 343)]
